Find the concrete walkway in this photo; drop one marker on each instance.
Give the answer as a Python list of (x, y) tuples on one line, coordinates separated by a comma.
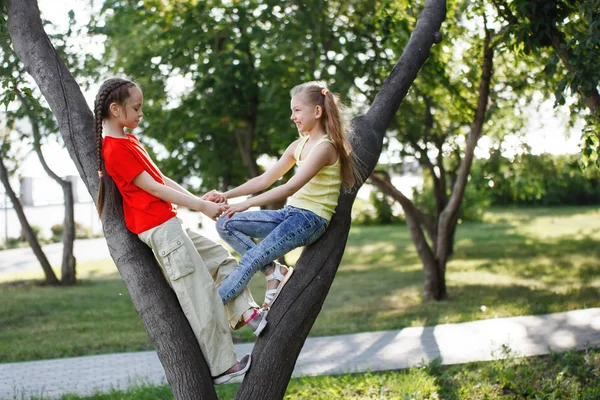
[(374, 351), (16, 261)]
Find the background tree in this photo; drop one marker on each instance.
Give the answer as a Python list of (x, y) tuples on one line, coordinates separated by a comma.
[(30, 236), (291, 321), (536, 180), (440, 125), (16, 88), (565, 36)]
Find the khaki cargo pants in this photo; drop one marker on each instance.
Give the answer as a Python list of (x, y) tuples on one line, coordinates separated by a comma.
[(195, 267)]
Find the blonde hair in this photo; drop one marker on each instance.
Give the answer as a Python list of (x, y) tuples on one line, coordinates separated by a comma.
[(114, 90), (316, 94)]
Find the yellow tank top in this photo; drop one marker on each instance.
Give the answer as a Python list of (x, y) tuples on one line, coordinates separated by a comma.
[(320, 194)]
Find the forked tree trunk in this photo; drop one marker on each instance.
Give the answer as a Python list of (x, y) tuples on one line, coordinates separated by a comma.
[(51, 278), (167, 327), (434, 257), (276, 352)]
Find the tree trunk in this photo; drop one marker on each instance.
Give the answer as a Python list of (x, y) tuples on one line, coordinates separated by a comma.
[(435, 257), (167, 327), (416, 220), (68, 275), (448, 218), (276, 352), (68, 272), (51, 278)]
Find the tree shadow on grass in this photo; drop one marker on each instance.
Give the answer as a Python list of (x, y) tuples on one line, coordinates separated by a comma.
[(527, 214), (547, 260)]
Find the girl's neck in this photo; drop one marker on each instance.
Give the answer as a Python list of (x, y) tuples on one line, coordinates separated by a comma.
[(316, 133), (113, 129)]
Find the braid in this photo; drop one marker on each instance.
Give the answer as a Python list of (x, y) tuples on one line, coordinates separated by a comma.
[(107, 94)]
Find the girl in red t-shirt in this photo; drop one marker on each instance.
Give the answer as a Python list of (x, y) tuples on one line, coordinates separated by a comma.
[(188, 260)]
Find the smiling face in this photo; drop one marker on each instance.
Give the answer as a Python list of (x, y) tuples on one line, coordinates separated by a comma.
[(128, 115), (305, 116)]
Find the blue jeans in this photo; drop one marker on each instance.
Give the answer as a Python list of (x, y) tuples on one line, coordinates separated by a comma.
[(281, 231)]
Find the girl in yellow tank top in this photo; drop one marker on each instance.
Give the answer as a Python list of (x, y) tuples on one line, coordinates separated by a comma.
[(322, 154)]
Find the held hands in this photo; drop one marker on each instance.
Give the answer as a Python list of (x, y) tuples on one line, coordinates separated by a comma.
[(238, 207), (212, 210), (215, 197), (218, 200)]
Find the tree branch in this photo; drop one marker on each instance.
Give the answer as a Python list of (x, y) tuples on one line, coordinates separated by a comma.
[(416, 52), (276, 351), (156, 303), (449, 215)]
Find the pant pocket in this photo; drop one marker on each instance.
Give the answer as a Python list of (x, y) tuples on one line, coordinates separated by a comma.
[(319, 231), (176, 258)]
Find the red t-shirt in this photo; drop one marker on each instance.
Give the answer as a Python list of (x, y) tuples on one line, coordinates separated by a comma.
[(125, 159)]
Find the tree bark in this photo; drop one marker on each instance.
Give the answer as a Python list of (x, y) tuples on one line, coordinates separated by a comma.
[(276, 352), (51, 278), (416, 221), (167, 327), (290, 321)]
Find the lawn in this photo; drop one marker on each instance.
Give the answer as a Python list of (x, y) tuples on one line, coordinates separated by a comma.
[(570, 375), (517, 262)]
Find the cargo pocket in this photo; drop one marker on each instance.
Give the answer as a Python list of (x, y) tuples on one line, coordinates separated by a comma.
[(177, 260)]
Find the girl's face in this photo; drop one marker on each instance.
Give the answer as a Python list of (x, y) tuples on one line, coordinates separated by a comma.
[(129, 114), (305, 116)]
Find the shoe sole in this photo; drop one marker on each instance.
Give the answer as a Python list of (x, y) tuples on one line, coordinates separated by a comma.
[(263, 323), (286, 278), (226, 378)]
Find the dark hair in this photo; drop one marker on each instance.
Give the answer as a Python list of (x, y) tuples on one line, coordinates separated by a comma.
[(316, 94), (114, 90)]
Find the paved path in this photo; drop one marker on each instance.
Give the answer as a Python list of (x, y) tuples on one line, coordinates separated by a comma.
[(16, 261), (374, 351)]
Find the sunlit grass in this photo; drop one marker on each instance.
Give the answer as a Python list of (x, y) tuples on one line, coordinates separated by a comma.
[(570, 375), (507, 264)]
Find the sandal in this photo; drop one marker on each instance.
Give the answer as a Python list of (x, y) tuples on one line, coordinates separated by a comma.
[(272, 294), (257, 321)]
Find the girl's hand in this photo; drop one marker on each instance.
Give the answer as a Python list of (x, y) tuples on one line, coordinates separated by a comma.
[(215, 197), (238, 207), (212, 210)]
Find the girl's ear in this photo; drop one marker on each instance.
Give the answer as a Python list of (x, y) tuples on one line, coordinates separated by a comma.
[(318, 112), (114, 109)]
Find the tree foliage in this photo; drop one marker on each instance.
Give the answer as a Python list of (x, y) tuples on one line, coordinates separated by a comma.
[(276, 351), (239, 61), (565, 36), (466, 90), (527, 179)]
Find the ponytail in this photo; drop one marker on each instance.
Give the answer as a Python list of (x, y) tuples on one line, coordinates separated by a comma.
[(315, 93), (114, 90)]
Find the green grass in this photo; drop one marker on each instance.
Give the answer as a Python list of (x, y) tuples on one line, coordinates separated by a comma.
[(570, 375), (517, 262)]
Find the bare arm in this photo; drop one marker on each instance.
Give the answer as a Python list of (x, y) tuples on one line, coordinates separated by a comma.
[(269, 177), (175, 186), (166, 193), (319, 158)]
